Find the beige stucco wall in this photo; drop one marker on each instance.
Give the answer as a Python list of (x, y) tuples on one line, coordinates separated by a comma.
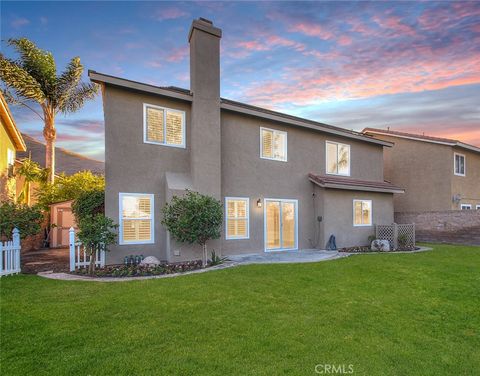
[(338, 216), (135, 167), (425, 171), (468, 186), (131, 166)]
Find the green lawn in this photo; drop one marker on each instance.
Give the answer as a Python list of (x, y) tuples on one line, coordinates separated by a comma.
[(397, 314)]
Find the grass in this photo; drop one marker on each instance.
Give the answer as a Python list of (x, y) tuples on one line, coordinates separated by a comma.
[(396, 314)]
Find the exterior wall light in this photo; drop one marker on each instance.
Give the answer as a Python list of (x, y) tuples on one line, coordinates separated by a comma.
[(259, 203)]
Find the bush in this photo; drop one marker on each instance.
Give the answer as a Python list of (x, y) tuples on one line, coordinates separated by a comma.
[(69, 187), (96, 233), (194, 218), (89, 203), (27, 219)]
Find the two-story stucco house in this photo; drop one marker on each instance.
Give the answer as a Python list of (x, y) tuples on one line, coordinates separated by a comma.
[(437, 173), (286, 183)]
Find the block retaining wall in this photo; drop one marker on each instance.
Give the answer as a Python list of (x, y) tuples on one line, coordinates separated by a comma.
[(452, 226)]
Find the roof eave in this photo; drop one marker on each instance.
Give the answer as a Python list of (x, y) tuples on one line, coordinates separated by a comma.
[(356, 187), (12, 127), (279, 118), (101, 78)]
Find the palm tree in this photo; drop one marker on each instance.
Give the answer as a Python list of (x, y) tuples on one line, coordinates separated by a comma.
[(33, 79)]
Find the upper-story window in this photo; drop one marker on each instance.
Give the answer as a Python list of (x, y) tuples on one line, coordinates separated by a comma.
[(459, 164), (163, 126), (273, 144), (338, 158), (466, 206)]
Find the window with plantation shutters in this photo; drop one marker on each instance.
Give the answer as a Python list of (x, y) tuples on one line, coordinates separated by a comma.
[(362, 212), (273, 144), (136, 218), (164, 126), (237, 218)]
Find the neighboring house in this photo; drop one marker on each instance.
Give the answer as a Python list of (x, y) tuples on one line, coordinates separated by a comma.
[(11, 142), (438, 174), (286, 183)]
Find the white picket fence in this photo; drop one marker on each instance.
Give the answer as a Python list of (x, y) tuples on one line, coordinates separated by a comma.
[(79, 258), (10, 255)]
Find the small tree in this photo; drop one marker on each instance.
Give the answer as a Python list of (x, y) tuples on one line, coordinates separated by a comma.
[(96, 233), (96, 230), (194, 218)]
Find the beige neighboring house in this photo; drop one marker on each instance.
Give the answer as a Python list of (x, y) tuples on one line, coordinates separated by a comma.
[(11, 142), (438, 174), (286, 183)]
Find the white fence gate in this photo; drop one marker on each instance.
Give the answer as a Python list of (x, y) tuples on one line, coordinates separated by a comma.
[(10, 255), (79, 258)]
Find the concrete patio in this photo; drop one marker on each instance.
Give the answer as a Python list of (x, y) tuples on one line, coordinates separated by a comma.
[(304, 255)]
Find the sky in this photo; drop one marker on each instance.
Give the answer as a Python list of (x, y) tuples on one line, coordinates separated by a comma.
[(410, 66)]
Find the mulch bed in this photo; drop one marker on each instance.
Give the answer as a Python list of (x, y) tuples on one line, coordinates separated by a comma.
[(122, 270), (42, 260)]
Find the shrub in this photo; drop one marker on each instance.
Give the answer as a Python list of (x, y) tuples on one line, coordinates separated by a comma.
[(193, 218), (27, 219), (89, 203), (217, 260)]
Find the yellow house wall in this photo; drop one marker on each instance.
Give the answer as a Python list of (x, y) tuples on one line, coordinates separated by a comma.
[(7, 186)]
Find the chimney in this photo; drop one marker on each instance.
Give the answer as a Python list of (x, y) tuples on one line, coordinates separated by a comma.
[(205, 149)]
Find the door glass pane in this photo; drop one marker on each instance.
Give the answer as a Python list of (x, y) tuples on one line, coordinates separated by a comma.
[(273, 224), (288, 225)]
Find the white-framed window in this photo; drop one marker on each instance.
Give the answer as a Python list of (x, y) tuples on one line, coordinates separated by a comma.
[(10, 157), (477, 207), (273, 144), (337, 158), (459, 164), (163, 126), (465, 206), (237, 223), (362, 212), (136, 218)]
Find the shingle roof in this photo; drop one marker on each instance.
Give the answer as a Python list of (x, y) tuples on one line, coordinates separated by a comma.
[(422, 137), (66, 162), (354, 184)]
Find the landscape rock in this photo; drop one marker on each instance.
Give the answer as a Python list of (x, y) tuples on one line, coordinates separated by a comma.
[(380, 245), (150, 261)]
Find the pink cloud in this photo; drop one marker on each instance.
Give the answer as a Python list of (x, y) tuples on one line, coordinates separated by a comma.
[(344, 40), (311, 29), (395, 24), (178, 54), (170, 14)]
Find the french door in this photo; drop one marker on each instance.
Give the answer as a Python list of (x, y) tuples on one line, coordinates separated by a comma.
[(281, 227)]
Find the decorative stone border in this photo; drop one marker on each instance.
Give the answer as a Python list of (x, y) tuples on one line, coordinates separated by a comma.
[(226, 265), (75, 277)]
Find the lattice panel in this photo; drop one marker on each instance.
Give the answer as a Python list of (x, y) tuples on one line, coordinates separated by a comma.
[(385, 232), (406, 235), (399, 236)]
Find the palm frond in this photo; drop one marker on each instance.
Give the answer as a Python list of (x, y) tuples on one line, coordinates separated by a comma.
[(68, 81), (38, 63), (18, 79), (78, 97)]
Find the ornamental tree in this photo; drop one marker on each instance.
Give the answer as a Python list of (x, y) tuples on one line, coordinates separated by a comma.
[(194, 218)]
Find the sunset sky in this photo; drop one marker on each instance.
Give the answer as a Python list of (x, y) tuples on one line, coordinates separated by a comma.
[(412, 66)]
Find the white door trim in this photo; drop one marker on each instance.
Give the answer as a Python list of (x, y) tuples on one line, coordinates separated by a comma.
[(281, 200)]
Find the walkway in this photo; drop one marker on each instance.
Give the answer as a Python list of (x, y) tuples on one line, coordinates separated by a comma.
[(304, 255)]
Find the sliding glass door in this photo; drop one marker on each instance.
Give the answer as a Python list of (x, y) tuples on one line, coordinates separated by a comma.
[(280, 224)]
